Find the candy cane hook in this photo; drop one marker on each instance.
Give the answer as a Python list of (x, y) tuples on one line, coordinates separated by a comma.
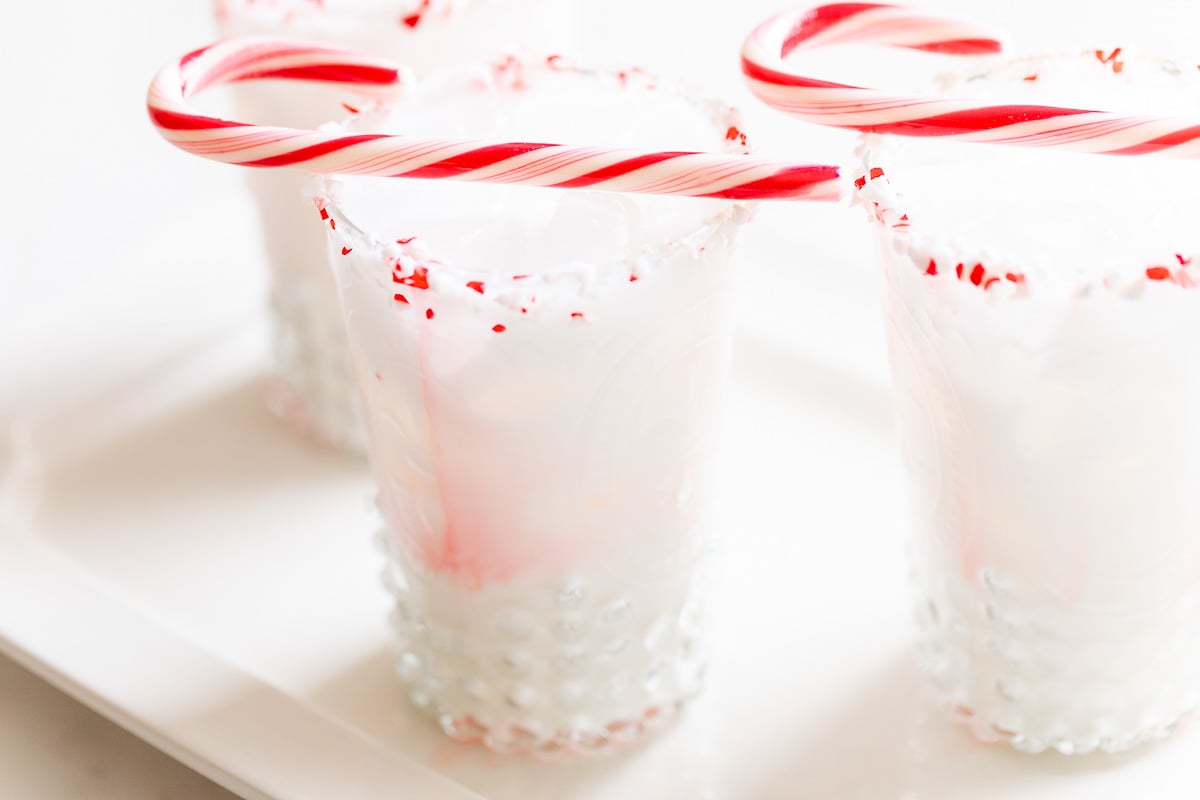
[(730, 176)]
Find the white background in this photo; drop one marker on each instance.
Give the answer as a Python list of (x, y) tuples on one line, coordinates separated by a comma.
[(108, 236)]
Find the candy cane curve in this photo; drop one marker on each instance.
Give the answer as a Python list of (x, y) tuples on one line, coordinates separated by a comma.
[(840, 105), (729, 176)]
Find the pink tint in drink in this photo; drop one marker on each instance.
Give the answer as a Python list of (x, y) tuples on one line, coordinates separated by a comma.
[(542, 373), (315, 388)]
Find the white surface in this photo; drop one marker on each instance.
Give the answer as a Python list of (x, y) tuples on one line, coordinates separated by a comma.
[(171, 556)]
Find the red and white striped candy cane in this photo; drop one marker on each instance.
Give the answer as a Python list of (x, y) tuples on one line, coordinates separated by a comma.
[(773, 81), (730, 176)]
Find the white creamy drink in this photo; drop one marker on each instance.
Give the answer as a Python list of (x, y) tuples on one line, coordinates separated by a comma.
[(542, 370), (1044, 324), (316, 388)]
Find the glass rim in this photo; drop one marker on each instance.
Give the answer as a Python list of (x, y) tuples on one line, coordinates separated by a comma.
[(1002, 272), (727, 128)]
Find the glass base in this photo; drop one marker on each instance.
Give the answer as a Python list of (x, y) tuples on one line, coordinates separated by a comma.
[(315, 392), (569, 663), (1071, 680)]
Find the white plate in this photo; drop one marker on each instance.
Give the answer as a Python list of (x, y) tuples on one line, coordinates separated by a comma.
[(175, 558)]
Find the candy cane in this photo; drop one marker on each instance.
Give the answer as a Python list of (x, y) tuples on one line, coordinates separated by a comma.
[(728, 176), (845, 106)]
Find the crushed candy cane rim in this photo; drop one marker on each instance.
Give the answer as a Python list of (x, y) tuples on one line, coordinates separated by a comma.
[(1005, 275), (840, 105), (418, 276), (676, 173), (874, 112)]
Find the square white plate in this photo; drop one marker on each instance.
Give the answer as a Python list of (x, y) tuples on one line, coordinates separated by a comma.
[(176, 558)]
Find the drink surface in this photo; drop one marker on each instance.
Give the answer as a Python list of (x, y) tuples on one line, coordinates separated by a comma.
[(1086, 215), (521, 230)]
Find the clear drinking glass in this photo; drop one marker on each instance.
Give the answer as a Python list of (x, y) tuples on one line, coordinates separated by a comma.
[(315, 390), (542, 373), (1045, 340)]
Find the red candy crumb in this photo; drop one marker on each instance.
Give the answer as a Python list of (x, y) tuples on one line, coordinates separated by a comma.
[(510, 66), (349, 107), (414, 19), (989, 282), (429, 313), (346, 250), (958, 270), (405, 241), (399, 298), (860, 182), (1158, 273), (499, 328), (932, 268), (418, 280), (876, 172), (977, 274), (1111, 58), (476, 285), (324, 214), (1032, 77), (576, 315), (1182, 261), (333, 223), (633, 278)]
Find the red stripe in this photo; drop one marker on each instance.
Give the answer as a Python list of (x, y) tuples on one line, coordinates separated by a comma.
[(970, 120), (192, 56), (617, 170), (238, 58), (218, 71), (333, 73), (758, 72), (472, 160), (788, 182), (960, 47), (820, 18), (313, 151), (1182, 136), (174, 121)]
